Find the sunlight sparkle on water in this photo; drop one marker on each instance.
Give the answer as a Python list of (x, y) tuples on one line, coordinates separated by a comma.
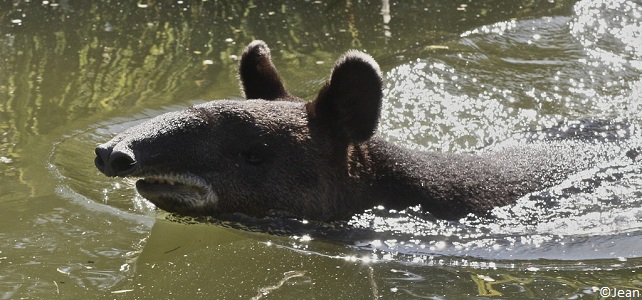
[(497, 28), (593, 30)]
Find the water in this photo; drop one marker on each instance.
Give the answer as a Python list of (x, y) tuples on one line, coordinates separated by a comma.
[(554, 71), (457, 77)]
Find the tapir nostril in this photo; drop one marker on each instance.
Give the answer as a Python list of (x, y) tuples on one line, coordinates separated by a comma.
[(122, 164), (102, 157), (100, 164), (114, 163)]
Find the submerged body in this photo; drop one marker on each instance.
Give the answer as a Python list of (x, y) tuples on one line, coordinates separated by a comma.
[(321, 159)]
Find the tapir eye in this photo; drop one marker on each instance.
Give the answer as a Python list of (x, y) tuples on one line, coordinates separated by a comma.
[(251, 158), (255, 155)]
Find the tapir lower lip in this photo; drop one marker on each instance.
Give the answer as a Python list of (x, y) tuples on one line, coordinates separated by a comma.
[(173, 192), (150, 187), (177, 193)]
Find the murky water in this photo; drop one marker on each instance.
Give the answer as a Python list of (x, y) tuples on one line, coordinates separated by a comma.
[(458, 77)]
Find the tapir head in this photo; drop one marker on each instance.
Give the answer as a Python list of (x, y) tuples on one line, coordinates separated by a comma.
[(273, 151)]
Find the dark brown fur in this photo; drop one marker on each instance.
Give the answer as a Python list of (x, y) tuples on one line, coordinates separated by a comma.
[(320, 159)]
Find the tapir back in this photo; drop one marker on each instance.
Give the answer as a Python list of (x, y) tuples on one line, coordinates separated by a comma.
[(452, 185)]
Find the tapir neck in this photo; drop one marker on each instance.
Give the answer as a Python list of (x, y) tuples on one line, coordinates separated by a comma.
[(450, 185), (398, 178)]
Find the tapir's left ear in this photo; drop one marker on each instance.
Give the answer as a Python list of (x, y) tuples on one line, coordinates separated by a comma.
[(259, 77), (350, 102)]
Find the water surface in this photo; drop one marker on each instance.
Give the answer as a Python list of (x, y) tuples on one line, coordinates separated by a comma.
[(458, 77)]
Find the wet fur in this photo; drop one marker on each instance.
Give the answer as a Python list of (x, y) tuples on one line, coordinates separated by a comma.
[(320, 159)]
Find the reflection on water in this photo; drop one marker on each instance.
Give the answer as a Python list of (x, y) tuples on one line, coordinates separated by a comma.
[(548, 75), (524, 76), (459, 77)]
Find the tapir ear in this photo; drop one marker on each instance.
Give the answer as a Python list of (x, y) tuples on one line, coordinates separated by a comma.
[(350, 102), (259, 77)]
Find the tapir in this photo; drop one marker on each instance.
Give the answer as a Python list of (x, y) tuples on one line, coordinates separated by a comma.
[(320, 159)]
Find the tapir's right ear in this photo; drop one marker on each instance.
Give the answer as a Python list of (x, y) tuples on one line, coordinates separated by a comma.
[(259, 77), (350, 102)]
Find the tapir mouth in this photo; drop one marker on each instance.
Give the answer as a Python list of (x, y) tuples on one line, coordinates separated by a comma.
[(179, 193)]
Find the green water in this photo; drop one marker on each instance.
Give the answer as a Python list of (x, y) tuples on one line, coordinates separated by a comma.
[(458, 77)]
